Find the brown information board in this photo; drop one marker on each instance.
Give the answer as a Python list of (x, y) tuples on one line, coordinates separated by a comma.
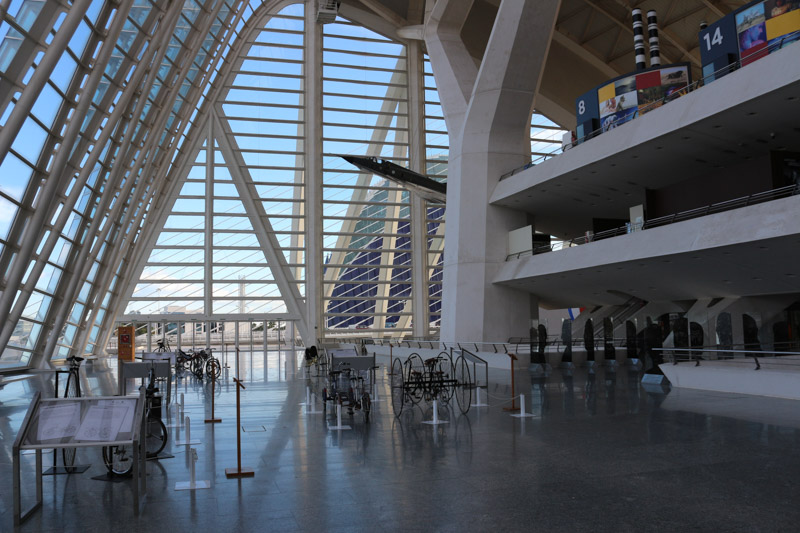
[(125, 343)]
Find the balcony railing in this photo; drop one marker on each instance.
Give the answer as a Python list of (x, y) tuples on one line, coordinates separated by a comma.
[(786, 39)]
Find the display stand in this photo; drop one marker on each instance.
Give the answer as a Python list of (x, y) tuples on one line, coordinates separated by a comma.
[(311, 403), (522, 413), (478, 402), (374, 380), (308, 395), (141, 369), (188, 440), (513, 396), (239, 471), (213, 419), (55, 469), (193, 484), (435, 421), (179, 413), (80, 423), (339, 425)]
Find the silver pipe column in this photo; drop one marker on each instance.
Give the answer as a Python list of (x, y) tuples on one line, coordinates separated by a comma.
[(652, 31), (638, 39)]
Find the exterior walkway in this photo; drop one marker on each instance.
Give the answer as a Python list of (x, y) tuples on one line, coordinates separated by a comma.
[(602, 454)]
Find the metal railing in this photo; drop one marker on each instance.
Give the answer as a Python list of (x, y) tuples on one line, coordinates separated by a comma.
[(727, 205), (697, 355), (786, 39), (475, 360)]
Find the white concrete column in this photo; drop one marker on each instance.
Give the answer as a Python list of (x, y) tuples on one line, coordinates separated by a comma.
[(208, 270), (313, 178), (493, 139), (417, 162)]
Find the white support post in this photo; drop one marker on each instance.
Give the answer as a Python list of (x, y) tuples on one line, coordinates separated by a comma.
[(522, 413), (435, 421), (188, 441), (478, 402), (192, 484), (178, 423), (339, 425), (311, 404)]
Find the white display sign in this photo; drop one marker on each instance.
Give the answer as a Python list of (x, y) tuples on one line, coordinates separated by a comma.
[(58, 421), (102, 423)]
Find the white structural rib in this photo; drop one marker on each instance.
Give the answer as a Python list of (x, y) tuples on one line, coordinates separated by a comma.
[(261, 224), (55, 182)]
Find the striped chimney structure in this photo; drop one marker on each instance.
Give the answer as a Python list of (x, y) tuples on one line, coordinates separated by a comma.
[(652, 31), (638, 39)]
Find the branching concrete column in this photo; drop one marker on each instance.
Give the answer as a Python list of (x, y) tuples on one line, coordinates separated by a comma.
[(488, 137)]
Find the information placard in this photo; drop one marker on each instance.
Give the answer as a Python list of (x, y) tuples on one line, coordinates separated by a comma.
[(125, 343)]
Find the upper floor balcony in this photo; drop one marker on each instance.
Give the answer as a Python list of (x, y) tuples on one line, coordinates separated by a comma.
[(715, 144), (745, 251)]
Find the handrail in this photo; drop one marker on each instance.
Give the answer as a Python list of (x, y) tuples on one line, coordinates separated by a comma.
[(695, 355), (668, 98), (746, 352), (474, 359), (727, 205)]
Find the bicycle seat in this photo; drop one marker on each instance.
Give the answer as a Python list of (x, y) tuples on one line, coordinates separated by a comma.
[(75, 358), (431, 361)]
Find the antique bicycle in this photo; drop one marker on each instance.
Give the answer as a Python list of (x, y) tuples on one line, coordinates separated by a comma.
[(436, 378), (119, 459)]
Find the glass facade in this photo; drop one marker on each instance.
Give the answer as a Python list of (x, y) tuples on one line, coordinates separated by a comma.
[(189, 191)]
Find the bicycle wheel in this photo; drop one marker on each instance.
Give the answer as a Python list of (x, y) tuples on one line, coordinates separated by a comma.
[(118, 459), (463, 384), (197, 366), (444, 372), (415, 377), (398, 387), (180, 361), (213, 368), (366, 406), (73, 390), (156, 437)]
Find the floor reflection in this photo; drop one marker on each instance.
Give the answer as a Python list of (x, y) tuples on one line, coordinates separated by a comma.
[(398, 473)]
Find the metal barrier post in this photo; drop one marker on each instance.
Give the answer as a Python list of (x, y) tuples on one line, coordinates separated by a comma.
[(513, 396)]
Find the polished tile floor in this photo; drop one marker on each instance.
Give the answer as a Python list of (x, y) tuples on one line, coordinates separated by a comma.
[(600, 454)]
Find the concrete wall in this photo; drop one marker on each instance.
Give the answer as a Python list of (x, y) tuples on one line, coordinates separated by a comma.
[(778, 377), (711, 187)]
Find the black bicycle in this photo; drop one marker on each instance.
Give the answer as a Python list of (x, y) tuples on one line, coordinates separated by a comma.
[(72, 390), (204, 362), (119, 459)]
